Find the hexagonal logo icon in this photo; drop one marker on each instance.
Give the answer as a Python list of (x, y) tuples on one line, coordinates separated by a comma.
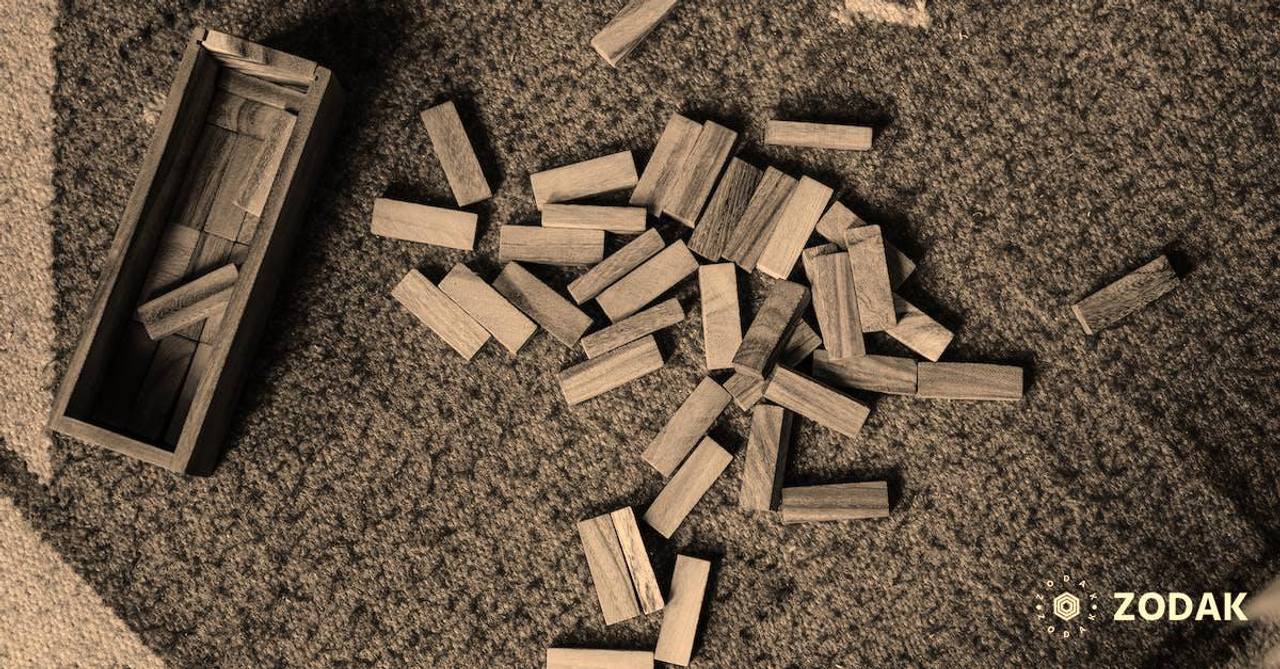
[(1066, 606)]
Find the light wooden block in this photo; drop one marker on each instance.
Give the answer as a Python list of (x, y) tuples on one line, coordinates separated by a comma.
[(877, 373), (189, 303), (818, 135), (807, 256), (611, 370), (762, 343), (636, 20), (795, 224), (833, 227), (687, 426), (753, 230), (721, 320), (680, 621), (170, 262), (550, 246), (918, 331), (243, 116), (728, 203), (969, 381), (457, 156), (225, 218), (646, 282), (508, 325), (592, 658), (766, 458), (663, 168), (698, 173), (835, 501), (260, 91), (747, 390), (642, 578), (835, 303), (424, 224), (608, 567), (616, 266), (1120, 299), (200, 362), (597, 176), (161, 387), (439, 313), (871, 277), (661, 315), (815, 401), (538, 301), (262, 174), (686, 488), (619, 220)]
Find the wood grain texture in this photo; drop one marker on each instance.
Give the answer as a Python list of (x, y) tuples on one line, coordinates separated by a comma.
[(261, 91), (597, 176), (918, 331), (611, 370), (818, 135), (439, 313), (835, 221), (807, 256), (642, 578), (674, 145), (766, 457), (680, 621), (698, 173), (608, 567), (871, 278), (538, 301), (189, 303), (628, 27), (686, 427), (721, 319), (195, 373), (549, 246), (835, 501), (170, 262), (877, 373), (243, 116), (225, 218), (618, 220), (616, 266), (437, 226), (969, 381), (835, 303), (1120, 299), (795, 224), (815, 401), (203, 176), (686, 488), (508, 325), (258, 61), (661, 315), (762, 343), (160, 388), (592, 658), (457, 157), (265, 168), (645, 283), (726, 207), (753, 230)]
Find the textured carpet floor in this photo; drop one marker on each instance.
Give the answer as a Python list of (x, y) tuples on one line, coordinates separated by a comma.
[(382, 501)]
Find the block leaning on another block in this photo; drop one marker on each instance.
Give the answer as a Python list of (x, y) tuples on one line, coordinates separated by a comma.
[(674, 145), (457, 157), (538, 301), (686, 488), (800, 343), (611, 370), (815, 401), (636, 20), (439, 313), (877, 373), (490, 309), (818, 135), (590, 177), (762, 343), (616, 266), (918, 331), (648, 281), (751, 233), (661, 315), (420, 223), (969, 381), (646, 585), (189, 303), (699, 172), (766, 458), (835, 303), (871, 277), (608, 567), (1113, 303), (727, 205), (686, 426), (795, 224), (836, 501), (550, 246)]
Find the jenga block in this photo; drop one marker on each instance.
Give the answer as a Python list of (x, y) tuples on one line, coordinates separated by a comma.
[(663, 168), (917, 331), (589, 177), (751, 233), (766, 458), (199, 363), (698, 173), (262, 175), (689, 484), (211, 328), (420, 223), (762, 343), (661, 315), (835, 501), (748, 390), (544, 305), (1113, 303), (189, 303), (203, 177), (591, 658), (721, 322), (619, 220), (439, 313), (212, 252), (457, 157), (248, 228), (969, 381), (837, 219), (807, 256), (170, 262), (226, 219), (549, 246), (818, 135), (243, 116), (488, 307), (835, 303), (646, 584), (160, 387), (611, 370), (795, 224), (239, 253), (608, 567), (680, 621), (644, 284), (629, 27), (615, 266), (877, 373), (871, 277), (128, 366), (260, 91), (686, 427), (816, 402), (727, 205)]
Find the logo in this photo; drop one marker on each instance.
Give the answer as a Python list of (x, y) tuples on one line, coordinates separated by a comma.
[(1065, 607)]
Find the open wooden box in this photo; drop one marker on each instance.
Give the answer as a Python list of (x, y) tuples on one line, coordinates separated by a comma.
[(225, 181)]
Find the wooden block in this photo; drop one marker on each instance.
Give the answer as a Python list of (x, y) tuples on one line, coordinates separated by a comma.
[(807, 256), (591, 658), (689, 484), (616, 266), (620, 220), (642, 578), (836, 501), (590, 177), (127, 367), (262, 174), (918, 332), (160, 388), (457, 157), (628, 27), (549, 246), (818, 135), (871, 277), (816, 402), (259, 61), (420, 223), (877, 373), (680, 622), (243, 116), (544, 305), (751, 233), (833, 226), (171, 260), (661, 315), (721, 321), (248, 229), (836, 305), (1113, 303), (747, 390), (663, 168), (687, 426), (211, 328), (260, 91), (508, 325), (795, 224), (189, 303), (200, 362), (239, 254), (763, 342), (698, 173), (225, 219), (439, 313), (203, 176), (611, 370), (969, 381), (766, 459), (651, 279), (728, 203), (212, 252), (608, 567)]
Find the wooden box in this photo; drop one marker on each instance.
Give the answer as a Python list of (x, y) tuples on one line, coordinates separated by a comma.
[(226, 180)]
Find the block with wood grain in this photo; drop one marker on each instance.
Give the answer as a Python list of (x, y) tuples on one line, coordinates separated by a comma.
[(618, 220), (637, 557), (763, 341), (598, 658), (508, 325), (728, 203), (614, 369), (262, 174), (540, 302), (161, 387), (597, 176), (1127, 295), (795, 224), (686, 427), (616, 266), (435, 310), (457, 157), (664, 166), (968, 381), (839, 218), (751, 234), (699, 172), (189, 303), (766, 457), (683, 490), (549, 246), (647, 282), (867, 258), (835, 303), (680, 621), (661, 315), (748, 390), (608, 567), (437, 226), (918, 331), (834, 502), (629, 26), (818, 135), (876, 373), (816, 401), (721, 320)]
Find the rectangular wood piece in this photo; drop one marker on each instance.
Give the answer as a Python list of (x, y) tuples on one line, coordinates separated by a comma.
[(686, 488), (264, 169), (642, 578), (457, 156), (618, 220), (835, 501), (161, 387), (680, 621), (611, 370), (871, 278), (751, 234), (648, 281), (818, 135), (795, 224), (508, 325), (728, 203), (592, 658), (616, 266), (189, 303), (721, 320), (597, 176), (918, 331), (762, 343), (969, 381), (424, 224), (748, 390), (833, 227), (698, 173), (835, 303), (687, 426), (550, 246), (877, 373), (435, 310), (815, 401), (608, 567), (538, 301), (661, 315), (628, 27), (1131, 293), (663, 168), (766, 458)]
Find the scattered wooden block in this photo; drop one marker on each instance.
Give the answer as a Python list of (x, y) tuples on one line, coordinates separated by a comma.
[(508, 325), (169, 264), (795, 224), (686, 427), (752, 232), (544, 305), (620, 220), (160, 387), (636, 20), (550, 246), (457, 156), (698, 173), (661, 315), (611, 370), (646, 584), (591, 658), (645, 283), (816, 402), (262, 175), (195, 372), (727, 205), (689, 484), (439, 313), (838, 219), (807, 256), (721, 321), (680, 622), (835, 303), (969, 381), (616, 266), (871, 276), (420, 223), (1113, 303), (766, 459), (818, 135), (187, 304), (260, 91), (762, 343), (590, 177), (674, 146), (919, 332), (608, 567), (836, 501), (877, 373)]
